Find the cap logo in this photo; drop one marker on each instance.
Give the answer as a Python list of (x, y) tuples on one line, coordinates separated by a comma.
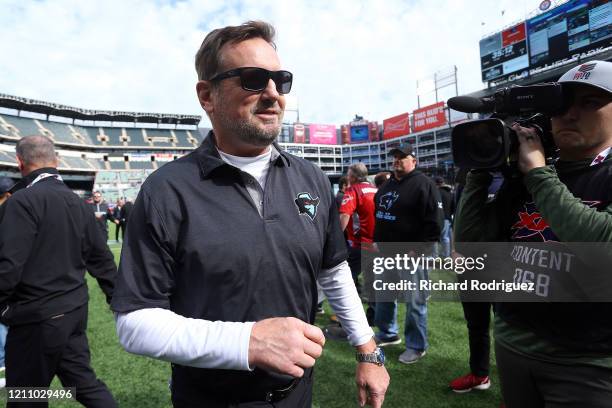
[(584, 72)]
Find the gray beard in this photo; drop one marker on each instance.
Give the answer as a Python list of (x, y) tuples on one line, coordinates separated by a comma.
[(249, 133)]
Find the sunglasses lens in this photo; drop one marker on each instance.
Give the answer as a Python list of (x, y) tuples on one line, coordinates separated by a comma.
[(254, 79), (283, 81)]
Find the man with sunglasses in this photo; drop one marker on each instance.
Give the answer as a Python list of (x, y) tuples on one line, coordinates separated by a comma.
[(226, 245), (551, 353)]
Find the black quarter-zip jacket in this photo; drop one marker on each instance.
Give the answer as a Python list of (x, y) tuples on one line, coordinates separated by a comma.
[(48, 238), (197, 245)]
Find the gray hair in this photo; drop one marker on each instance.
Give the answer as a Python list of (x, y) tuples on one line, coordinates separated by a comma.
[(36, 150), (359, 171)]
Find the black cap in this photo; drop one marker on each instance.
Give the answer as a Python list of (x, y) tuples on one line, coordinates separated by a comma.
[(405, 150), (6, 184), (439, 180)]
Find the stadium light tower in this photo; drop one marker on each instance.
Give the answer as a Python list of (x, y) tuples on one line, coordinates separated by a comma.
[(441, 79)]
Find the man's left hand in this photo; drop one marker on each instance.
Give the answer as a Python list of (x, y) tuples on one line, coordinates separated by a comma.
[(531, 151), (372, 382)]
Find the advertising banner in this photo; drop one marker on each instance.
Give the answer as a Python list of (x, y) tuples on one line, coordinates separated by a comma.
[(374, 136), (140, 157), (164, 157), (429, 117), (344, 133), (299, 133), (396, 126), (322, 134)]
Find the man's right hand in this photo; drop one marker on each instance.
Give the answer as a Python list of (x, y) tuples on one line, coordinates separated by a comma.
[(285, 345)]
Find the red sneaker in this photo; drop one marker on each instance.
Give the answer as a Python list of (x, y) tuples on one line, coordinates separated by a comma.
[(470, 382)]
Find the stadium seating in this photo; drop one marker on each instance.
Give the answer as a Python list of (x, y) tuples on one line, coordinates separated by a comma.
[(76, 162), (89, 136), (130, 176), (7, 157), (131, 193), (64, 133), (107, 177), (25, 126), (182, 139), (6, 129), (61, 132), (117, 165), (94, 134), (123, 183), (114, 136), (134, 165), (96, 163), (161, 137), (136, 137)]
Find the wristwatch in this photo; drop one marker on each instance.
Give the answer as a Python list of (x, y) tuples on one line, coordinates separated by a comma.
[(377, 357)]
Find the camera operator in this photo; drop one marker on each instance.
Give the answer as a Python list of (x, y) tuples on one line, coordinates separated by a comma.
[(554, 354)]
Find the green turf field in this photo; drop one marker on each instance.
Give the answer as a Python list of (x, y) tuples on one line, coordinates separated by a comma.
[(143, 382)]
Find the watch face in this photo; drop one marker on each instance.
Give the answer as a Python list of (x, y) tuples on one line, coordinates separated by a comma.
[(381, 355)]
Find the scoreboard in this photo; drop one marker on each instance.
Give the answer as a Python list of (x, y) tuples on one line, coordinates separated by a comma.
[(563, 33), (504, 53)]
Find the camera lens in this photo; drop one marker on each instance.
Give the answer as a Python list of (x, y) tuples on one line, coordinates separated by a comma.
[(483, 143)]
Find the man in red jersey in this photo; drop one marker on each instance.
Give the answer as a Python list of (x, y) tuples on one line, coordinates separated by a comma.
[(358, 199)]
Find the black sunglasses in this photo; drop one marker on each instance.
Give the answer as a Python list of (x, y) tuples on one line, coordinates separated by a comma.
[(256, 79)]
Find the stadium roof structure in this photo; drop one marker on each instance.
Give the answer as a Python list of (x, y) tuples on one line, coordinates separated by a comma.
[(55, 109)]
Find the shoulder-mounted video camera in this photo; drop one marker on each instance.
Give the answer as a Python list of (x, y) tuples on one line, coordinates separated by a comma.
[(491, 143)]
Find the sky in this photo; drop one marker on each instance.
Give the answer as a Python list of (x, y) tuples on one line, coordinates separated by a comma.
[(348, 57)]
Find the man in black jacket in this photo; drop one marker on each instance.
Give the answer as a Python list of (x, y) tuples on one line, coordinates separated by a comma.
[(121, 213), (126, 210), (102, 213), (124, 215), (47, 240), (408, 209)]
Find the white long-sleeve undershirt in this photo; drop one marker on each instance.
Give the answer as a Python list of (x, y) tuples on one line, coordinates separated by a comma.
[(165, 335)]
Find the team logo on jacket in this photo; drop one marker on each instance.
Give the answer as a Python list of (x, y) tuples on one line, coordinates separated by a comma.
[(388, 199), (307, 204), (531, 226)]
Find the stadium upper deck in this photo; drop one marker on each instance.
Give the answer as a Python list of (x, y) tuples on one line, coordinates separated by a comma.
[(88, 141), (87, 146)]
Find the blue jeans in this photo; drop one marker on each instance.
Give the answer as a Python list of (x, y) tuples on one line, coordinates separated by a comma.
[(415, 329), (3, 331), (445, 239)]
